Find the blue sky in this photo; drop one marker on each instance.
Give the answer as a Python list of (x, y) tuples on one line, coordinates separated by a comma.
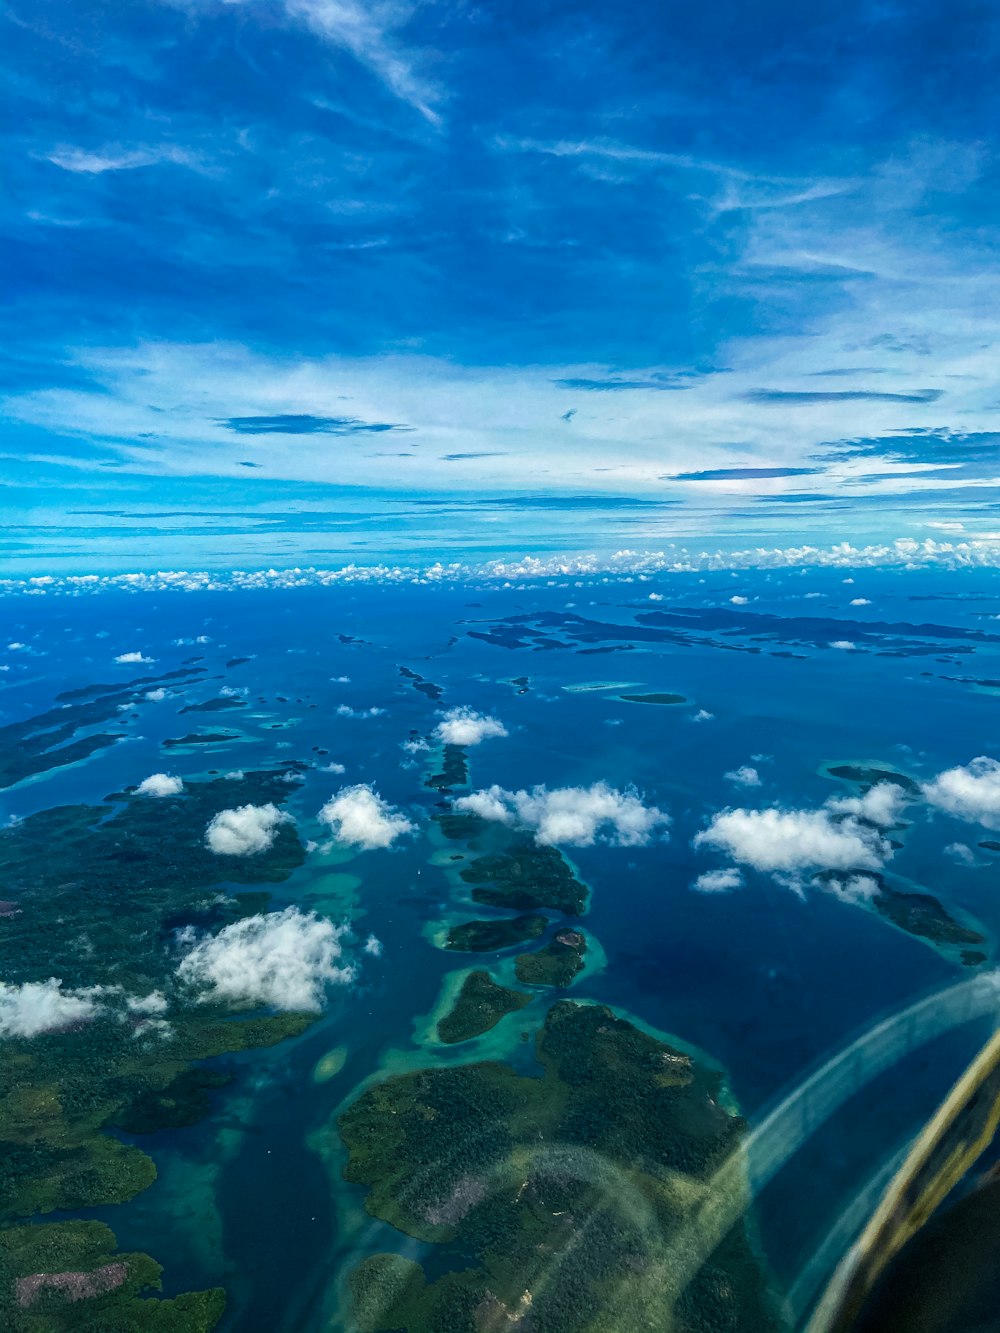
[(291, 258)]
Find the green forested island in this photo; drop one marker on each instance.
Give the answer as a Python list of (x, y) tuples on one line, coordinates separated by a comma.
[(556, 964), (480, 1005), (94, 896), (489, 936), (551, 1198)]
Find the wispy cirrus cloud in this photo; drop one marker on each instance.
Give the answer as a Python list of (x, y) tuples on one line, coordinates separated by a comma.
[(370, 30), (94, 162), (733, 187)]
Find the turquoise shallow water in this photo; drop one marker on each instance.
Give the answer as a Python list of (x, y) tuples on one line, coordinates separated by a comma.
[(764, 981)]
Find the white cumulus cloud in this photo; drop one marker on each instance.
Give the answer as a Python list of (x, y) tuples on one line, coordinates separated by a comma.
[(958, 851), (857, 889), (970, 792), (464, 726), (576, 816), (245, 829), (744, 776), (43, 1006), (718, 881), (795, 840), (137, 658), (283, 959), (160, 784), (359, 817), (845, 645), (882, 804)]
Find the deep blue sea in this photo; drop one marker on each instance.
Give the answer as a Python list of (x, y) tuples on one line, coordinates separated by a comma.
[(766, 981)]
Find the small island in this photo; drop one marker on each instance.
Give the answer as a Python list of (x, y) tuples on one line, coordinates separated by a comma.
[(919, 914), (869, 775), (495, 934), (481, 1004), (421, 684), (220, 705), (922, 914), (652, 698), (524, 877), (454, 770), (557, 964), (200, 738)]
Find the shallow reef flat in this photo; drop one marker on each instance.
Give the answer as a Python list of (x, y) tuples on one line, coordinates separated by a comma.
[(501, 1170)]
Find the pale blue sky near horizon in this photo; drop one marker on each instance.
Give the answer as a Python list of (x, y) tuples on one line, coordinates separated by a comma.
[(310, 281)]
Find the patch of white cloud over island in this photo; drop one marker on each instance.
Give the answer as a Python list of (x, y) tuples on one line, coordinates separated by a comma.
[(245, 830), (572, 816), (882, 804), (359, 817), (36, 1007), (464, 726), (160, 784), (855, 889), (152, 1004), (285, 960), (792, 841), (970, 792)]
